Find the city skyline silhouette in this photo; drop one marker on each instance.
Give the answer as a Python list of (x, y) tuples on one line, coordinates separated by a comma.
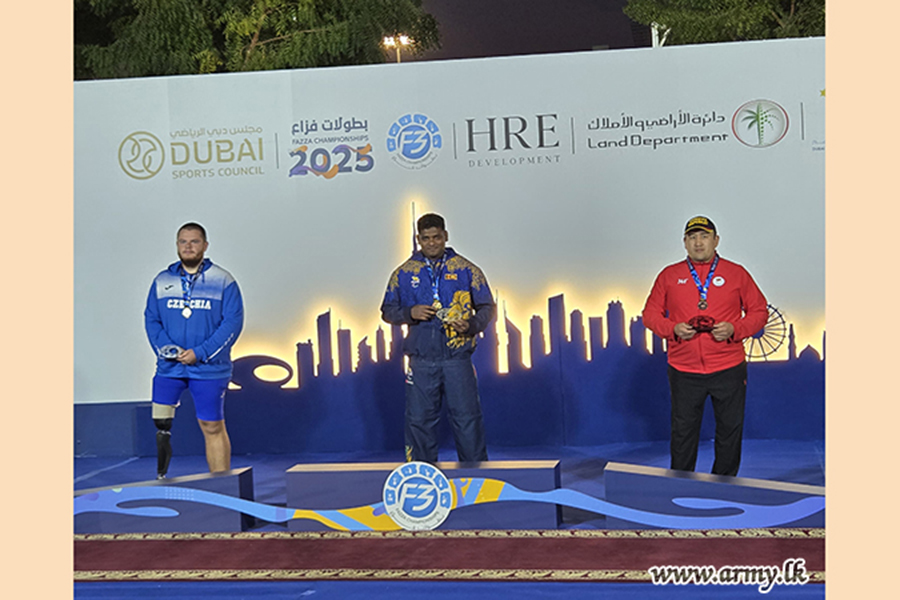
[(574, 342), (589, 388)]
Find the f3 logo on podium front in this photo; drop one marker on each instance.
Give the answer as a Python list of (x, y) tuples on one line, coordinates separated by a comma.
[(417, 496), (414, 141)]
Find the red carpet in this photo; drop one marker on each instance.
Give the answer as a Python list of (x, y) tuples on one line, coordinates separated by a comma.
[(558, 555)]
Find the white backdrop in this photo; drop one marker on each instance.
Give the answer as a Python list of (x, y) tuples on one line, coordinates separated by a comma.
[(595, 213)]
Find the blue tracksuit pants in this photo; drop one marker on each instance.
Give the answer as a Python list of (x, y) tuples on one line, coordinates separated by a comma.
[(427, 384)]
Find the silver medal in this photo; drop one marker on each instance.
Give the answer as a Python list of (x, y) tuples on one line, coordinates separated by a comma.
[(169, 352), (186, 312)]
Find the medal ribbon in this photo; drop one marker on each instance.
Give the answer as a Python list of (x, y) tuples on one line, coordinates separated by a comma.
[(187, 286), (703, 288), (434, 269)]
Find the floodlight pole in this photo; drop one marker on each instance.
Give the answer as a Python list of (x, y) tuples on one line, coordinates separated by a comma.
[(654, 28)]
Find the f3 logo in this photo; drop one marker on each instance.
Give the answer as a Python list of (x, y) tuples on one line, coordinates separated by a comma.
[(414, 141), (417, 496)]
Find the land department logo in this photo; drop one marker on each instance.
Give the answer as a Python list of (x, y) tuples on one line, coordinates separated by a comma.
[(414, 141), (417, 496), (760, 123), (141, 155)]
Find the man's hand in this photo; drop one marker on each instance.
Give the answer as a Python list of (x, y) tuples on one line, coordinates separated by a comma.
[(685, 331), (460, 325), (186, 357), (722, 330), (422, 312)]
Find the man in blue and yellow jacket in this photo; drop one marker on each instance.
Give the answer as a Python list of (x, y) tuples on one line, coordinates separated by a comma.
[(193, 317), (446, 303)]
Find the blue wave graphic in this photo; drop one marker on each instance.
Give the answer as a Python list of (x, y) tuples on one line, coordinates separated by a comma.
[(746, 516), (750, 515)]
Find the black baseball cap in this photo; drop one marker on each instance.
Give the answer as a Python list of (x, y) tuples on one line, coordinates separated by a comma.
[(700, 223)]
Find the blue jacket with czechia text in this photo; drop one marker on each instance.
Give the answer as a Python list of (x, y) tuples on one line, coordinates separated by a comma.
[(462, 289), (215, 321)]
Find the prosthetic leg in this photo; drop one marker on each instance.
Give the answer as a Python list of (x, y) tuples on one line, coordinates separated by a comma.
[(162, 418)]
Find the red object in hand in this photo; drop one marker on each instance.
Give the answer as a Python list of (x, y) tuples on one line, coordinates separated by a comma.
[(702, 323)]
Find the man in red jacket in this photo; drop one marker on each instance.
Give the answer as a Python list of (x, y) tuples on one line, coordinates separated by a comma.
[(704, 307)]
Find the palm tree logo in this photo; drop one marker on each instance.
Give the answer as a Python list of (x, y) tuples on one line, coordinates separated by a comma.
[(760, 123)]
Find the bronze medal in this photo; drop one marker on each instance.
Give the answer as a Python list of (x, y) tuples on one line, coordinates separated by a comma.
[(702, 304)]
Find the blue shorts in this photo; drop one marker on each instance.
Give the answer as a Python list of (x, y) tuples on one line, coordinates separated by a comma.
[(208, 394)]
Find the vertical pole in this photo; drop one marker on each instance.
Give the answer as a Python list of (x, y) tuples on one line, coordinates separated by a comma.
[(413, 211)]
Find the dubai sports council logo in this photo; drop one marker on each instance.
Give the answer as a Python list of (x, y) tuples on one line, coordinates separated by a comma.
[(141, 155), (414, 141), (760, 123), (417, 496)]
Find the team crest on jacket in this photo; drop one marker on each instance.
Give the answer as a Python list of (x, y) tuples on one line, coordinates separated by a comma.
[(718, 281), (414, 281)]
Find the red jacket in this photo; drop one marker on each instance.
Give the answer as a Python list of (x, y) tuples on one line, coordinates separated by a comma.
[(733, 297)]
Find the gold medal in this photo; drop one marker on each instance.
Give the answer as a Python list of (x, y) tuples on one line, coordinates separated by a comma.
[(436, 305)]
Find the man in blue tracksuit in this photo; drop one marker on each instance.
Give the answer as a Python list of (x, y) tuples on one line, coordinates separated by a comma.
[(193, 317), (445, 301)]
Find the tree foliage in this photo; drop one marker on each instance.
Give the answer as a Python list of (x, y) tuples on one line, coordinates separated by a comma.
[(137, 38), (703, 21)]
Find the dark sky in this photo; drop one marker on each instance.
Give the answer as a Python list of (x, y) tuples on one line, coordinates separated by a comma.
[(481, 28)]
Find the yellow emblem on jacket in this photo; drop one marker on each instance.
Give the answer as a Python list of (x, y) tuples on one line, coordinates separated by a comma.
[(460, 308)]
